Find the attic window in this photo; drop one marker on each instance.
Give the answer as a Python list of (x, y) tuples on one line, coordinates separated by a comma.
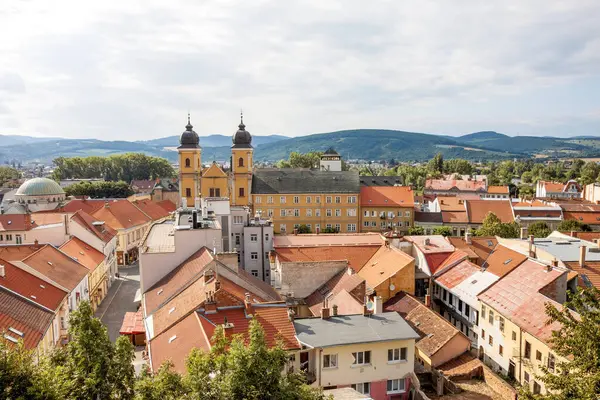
[(15, 331), (159, 292), (172, 338), (49, 262), (489, 243), (33, 297), (474, 281), (171, 310), (81, 252), (12, 339), (507, 261), (43, 287)]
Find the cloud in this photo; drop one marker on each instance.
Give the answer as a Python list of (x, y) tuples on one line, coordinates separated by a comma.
[(132, 70)]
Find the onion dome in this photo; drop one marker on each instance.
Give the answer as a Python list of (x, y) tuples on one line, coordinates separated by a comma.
[(189, 139), (242, 138)]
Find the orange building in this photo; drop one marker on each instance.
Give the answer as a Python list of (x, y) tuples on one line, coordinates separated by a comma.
[(386, 207)]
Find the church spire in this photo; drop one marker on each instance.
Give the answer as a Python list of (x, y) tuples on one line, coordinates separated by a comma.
[(241, 125), (189, 125)]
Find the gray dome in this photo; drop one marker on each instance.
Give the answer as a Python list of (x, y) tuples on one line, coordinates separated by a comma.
[(242, 137), (39, 187), (189, 138)]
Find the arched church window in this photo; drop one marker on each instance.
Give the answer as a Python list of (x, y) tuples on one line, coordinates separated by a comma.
[(241, 162), (187, 162)]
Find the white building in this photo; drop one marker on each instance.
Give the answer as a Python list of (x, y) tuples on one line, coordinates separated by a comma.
[(331, 161), (40, 194), (257, 243)]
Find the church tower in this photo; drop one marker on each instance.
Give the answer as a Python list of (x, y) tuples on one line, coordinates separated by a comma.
[(241, 165), (190, 167)]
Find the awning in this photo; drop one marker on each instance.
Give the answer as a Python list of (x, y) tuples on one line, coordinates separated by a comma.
[(133, 324)]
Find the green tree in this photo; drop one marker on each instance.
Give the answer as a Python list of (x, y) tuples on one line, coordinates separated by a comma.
[(7, 174), (493, 226), (589, 173), (572, 225), (577, 342), (458, 166), (527, 177), (100, 190), (416, 231), (442, 230), (436, 164), (539, 229), (303, 229), (166, 384)]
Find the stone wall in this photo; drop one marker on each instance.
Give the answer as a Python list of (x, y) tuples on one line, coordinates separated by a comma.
[(498, 385)]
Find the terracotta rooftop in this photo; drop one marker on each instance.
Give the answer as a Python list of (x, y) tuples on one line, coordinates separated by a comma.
[(343, 281), (454, 217), (87, 205), (15, 222), (168, 205), (355, 256), (532, 203), (578, 206), (57, 266), (83, 253), (498, 189), (151, 209), (477, 210), (433, 329), (457, 274), (313, 240), (18, 252), (143, 184), (461, 185), (386, 196), (587, 276), (481, 247), (438, 262), (23, 320), (464, 365), (583, 217), (121, 214), (98, 228), (133, 323), (451, 203), (517, 297), (587, 236), (384, 264), (503, 260), (541, 214), (30, 286), (428, 217)]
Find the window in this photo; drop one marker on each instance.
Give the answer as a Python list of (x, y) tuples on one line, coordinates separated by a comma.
[(444, 294), (538, 355), (501, 324), (361, 358), (1, 237), (254, 255), (491, 317), (328, 212), (269, 199), (365, 224), (395, 386), (390, 215), (282, 212), (351, 199), (266, 237), (240, 162), (317, 212), (460, 305), (188, 163), (188, 192), (338, 200), (450, 299), (308, 199), (407, 214), (363, 388), (282, 199), (536, 388), (330, 361), (63, 325), (296, 212), (318, 200), (500, 350), (328, 199), (19, 240), (491, 340), (254, 273), (338, 227), (242, 192), (270, 212), (527, 350), (282, 228), (317, 227), (351, 212), (483, 333), (366, 213), (338, 213), (238, 219), (296, 226), (526, 377), (309, 212), (467, 310), (551, 362), (351, 227), (373, 213), (266, 255), (296, 199), (254, 237), (398, 354), (257, 199), (373, 223)]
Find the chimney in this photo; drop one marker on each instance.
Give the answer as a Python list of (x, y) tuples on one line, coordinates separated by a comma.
[(248, 305), (334, 310), (2, 271), (210, 305), (523, 235), (378, 305), (36, 242), (427, 241), (324, 313), (428, 301), (582, 250), (555, 263), (574, 234), (106, 204), (195, 219), (217, 285), (468, 238)]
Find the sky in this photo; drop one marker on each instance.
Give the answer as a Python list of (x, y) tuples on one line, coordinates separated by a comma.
[(131, 70)]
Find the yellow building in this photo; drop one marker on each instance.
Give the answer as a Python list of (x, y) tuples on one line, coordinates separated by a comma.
[(318, 199), (386, 207), (214, 182), (241, 166), (190, 165)]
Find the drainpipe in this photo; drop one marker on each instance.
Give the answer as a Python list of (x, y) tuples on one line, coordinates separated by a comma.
[(520, 357)]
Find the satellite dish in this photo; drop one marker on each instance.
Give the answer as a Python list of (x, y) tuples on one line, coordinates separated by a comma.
[(392, 287)]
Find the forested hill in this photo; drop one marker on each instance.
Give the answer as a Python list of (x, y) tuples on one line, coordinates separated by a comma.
[(357, 144)]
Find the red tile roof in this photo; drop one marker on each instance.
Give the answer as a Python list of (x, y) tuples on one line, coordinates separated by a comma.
[(326, 240), (517, 297), (24, 317), (83, 253), (15, 222), (30, 286), (340, 282), (583, 217), (481, 247), (588, 236), (431, 244), (477, 210), (87, 205), (57, 266), (451, 203), (121, 214), (503, 260), (439, 261), (538, 213), (433, 329), (356, 256), (167, 205), (386, 263), (588, 275), (457, 274), (462, 185), (92, 225), (553, 187), (151, 209), (386, 196), (498, 189), (143, 184), (18, 252), (454, 217)]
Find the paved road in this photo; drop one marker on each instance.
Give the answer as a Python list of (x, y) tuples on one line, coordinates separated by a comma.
[(119, 300)]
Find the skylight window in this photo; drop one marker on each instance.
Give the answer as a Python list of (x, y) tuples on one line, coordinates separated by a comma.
[(507, 261), (50, 263), (12, 339), (160, 292), (172, 338), (171, 310), (43, 287), (15, 331)]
